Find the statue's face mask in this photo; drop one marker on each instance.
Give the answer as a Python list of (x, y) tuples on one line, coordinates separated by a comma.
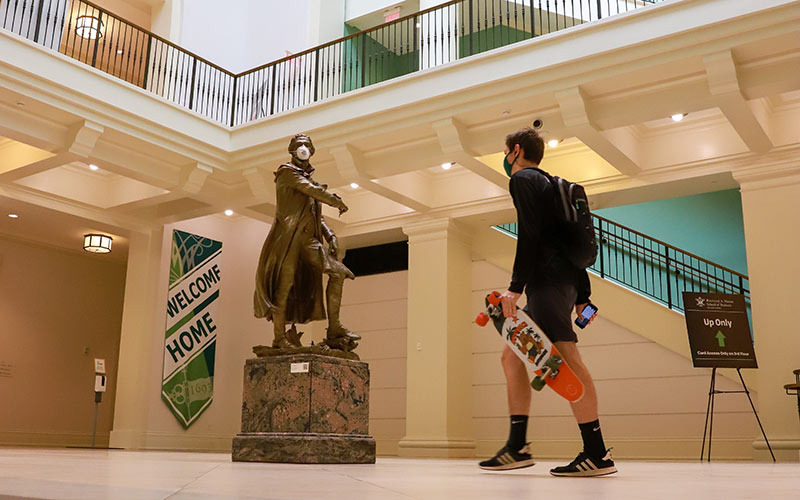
[(303, 153)]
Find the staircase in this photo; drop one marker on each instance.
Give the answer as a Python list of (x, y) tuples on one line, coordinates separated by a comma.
[(653, 268)]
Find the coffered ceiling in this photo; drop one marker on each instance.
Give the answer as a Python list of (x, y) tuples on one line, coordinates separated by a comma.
[(605, 90)]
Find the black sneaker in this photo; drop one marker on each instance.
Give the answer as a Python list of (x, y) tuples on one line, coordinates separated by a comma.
[(586, 466), (507, 459)]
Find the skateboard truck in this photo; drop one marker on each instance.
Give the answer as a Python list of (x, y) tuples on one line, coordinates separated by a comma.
[(551, 368)]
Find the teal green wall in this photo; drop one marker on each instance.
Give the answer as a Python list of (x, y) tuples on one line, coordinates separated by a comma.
[(381, 63), (490, 38), (709, 225)]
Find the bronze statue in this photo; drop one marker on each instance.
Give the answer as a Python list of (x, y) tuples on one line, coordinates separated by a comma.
[(293, 258)]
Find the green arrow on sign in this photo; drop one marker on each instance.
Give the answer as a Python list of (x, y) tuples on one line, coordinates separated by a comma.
[(720, 338)]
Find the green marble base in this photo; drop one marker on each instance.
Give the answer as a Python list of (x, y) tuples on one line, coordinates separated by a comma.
[(304, 448), (305, 408)]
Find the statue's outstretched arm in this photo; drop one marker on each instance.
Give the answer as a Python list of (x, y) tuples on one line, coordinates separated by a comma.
[(313, 190)]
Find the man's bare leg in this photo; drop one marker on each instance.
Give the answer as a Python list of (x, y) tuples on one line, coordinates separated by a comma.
[(585, 409), (515, 453), (594, 460), (517, 384)]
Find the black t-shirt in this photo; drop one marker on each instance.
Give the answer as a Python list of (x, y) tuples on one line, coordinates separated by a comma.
[(539, 259)]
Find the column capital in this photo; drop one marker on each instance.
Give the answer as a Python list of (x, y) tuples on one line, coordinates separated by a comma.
[(435, 229), (761, 177)]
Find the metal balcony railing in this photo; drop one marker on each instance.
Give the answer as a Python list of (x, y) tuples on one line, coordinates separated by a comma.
[(432, 37), (654, 268)]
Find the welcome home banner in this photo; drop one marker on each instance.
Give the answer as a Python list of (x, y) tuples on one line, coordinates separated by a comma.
[(187, 383)]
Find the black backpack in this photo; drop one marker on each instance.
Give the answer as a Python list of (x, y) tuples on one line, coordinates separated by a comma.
[(575, 222)]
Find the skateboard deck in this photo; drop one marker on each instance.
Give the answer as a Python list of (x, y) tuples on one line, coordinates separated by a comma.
[(532, 346)]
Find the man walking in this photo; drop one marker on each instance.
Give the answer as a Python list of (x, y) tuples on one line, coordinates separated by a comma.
[(553, 287)]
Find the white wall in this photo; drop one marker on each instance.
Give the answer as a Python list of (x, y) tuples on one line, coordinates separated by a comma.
[(250, 33), (358, 8), (326, 20), (376, 307), (58, 310)]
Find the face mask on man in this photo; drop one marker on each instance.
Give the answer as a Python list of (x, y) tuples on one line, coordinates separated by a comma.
[(508, 166), (303, 153)]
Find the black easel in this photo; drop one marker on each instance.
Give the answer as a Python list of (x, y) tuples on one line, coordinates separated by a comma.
[(708, 427)]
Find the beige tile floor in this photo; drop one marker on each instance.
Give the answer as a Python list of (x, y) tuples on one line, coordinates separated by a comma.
[(95, 474)]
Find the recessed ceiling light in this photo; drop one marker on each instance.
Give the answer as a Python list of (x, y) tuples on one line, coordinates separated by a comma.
[(94, 167), (354, 185), (678, 117), (13, 216), (447, 165), (229, 212), (553, 142)]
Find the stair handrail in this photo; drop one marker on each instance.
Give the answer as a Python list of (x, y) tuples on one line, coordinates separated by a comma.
[(672, 247), (665, 261)]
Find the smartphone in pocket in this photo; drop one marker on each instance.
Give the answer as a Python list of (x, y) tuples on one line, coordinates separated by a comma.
[(583, 318)]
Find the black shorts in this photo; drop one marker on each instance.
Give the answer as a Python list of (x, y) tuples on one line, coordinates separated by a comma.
[(551, 306)]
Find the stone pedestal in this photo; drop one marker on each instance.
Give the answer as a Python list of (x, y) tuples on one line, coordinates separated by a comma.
[(305, 408)]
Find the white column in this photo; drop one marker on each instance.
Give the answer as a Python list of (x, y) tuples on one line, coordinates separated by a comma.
[(142, 327), (439, 380), (166, 20), (771, 209)]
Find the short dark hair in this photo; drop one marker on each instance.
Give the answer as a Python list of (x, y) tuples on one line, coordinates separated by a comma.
[(529, 140)]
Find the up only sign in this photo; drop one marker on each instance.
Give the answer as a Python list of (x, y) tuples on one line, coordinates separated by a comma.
[(187, 383), (719, 333)]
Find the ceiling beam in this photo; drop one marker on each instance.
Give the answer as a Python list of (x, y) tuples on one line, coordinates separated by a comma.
[(135, 165), (351, 166), (146, 203), (452, 139), (80, 144), (196, 178), (27, 128), (575, 111), (723, 82), (39, 165), (72, 207)]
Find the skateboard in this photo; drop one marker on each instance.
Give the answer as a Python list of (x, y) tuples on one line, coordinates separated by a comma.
[(532, 346)]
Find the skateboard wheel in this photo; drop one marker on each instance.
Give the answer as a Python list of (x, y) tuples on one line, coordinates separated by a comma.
[(482, 319), (537, 383), (494, 298)]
